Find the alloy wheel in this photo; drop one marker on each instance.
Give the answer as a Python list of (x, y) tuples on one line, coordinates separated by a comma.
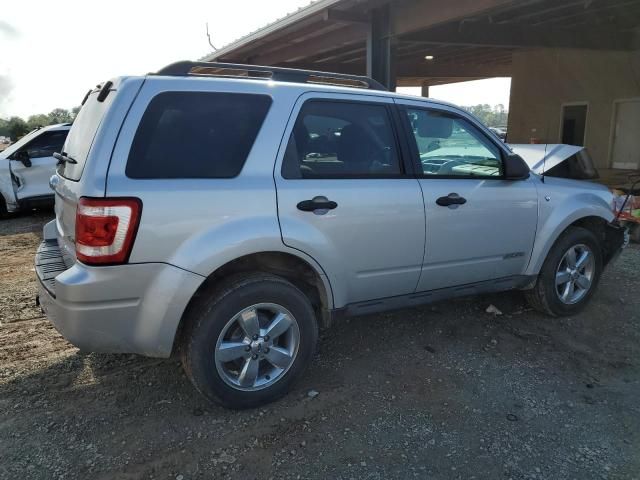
[(575, 274), (257, 347)]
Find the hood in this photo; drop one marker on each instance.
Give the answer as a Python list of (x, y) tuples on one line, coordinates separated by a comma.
[(557, 160)]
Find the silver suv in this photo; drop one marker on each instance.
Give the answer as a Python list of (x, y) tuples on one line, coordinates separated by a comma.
[(226, 212)]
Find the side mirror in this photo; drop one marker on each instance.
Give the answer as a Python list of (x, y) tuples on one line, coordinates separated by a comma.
[(515, 168), (23, 156)]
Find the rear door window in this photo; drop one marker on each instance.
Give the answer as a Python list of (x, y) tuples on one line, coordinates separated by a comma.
[(196, 135), (333, 139)]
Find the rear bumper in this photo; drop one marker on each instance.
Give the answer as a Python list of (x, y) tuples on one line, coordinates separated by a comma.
[(134, 308)]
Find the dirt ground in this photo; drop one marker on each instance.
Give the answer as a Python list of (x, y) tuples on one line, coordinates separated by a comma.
[(445, 391)]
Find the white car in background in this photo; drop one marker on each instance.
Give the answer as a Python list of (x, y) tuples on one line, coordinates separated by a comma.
[(27, 165), (501, 132)]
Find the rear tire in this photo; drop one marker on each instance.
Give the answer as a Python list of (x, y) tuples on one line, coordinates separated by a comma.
[(564, 285), (227, 351)]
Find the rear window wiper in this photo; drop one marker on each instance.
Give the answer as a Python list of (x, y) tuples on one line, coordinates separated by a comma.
[(64, 158)]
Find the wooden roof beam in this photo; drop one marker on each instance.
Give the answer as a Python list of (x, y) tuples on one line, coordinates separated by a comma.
[(414, 69), (346, 36), (342, 16), (416, 15)]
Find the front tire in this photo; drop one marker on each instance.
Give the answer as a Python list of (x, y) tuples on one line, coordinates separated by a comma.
[(246, 342), (569, 275)]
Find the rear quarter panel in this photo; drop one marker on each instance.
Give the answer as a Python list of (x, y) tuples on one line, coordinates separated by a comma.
[(201, 224)]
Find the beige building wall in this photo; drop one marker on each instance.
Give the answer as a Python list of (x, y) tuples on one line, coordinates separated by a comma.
[(545, 79)]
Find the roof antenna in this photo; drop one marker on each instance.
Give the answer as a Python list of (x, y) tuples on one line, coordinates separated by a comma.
[(546, 146), (544, 158), (546, 133), (209, 37)]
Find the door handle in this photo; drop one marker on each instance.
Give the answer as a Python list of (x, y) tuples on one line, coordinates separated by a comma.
[(317, 203), (450, 200)]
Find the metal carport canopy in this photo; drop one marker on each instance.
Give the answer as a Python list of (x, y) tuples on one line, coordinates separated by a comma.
[(388, 40)]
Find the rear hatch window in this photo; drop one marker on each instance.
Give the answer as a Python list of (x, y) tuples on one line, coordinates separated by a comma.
[(196, 135), (83, 133)]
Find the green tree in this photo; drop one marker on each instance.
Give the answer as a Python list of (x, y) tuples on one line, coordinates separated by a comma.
[(17, 128), (491, 116), (39, 120), (4, 127), (60, 115)]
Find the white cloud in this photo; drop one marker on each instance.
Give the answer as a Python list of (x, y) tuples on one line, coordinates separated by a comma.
[(66, 47), (8, 31), (6, 87)]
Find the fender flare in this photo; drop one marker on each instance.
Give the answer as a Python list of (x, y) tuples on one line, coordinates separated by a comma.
[(561, 218)]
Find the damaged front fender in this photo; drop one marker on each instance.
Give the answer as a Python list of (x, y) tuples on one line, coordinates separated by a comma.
[(6, 186)]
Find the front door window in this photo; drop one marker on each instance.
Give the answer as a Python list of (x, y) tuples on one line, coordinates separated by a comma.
[(451, 146)]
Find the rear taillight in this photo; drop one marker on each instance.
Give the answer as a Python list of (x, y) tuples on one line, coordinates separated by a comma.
[(106, 229)]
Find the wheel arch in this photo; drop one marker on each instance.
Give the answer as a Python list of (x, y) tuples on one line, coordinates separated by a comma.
[(596, 224), (297, 270)]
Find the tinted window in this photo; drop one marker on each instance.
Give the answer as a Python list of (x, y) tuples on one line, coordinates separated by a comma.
[(340, 139), (450, 145), (46, 144), (196, 135), (82, 135)]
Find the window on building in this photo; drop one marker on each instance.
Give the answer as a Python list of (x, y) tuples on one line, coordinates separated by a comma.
[(574, 122)]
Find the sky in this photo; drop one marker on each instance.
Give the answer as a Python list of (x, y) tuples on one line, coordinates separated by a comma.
[(51, 53)]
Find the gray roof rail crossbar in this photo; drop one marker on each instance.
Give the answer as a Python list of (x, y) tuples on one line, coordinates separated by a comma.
[(280, 74)]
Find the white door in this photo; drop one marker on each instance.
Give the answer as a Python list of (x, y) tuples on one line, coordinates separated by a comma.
[(626, 141), (479, 226), (31, 177)]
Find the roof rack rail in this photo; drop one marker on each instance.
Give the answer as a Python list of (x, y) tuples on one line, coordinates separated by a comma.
[(281, 74)]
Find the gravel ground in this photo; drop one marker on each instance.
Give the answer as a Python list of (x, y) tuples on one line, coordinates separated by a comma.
[(445, 391)]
